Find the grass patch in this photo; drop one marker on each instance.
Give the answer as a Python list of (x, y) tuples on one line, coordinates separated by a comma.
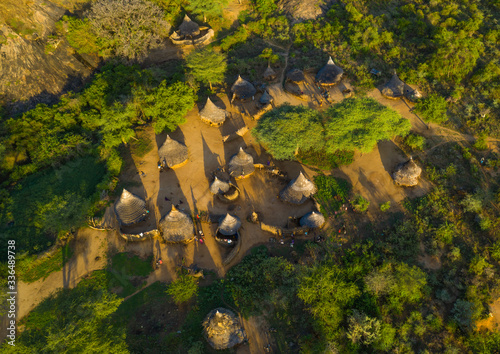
[(142, 145), (127, 272), (325, 161), (30, 269), (332, 192)]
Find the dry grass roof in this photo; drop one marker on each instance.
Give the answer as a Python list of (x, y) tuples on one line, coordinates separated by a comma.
[(407, 173), (219, 187), (241, 164), (222, 329), (172, 153), (229, 225), (395, 88), (298, 190), (266, 98), (330, 74), (269, 74), (243, 89), (177, 226), (130, 208), (213, 114), (189, 28), (312, 220), (295, 75)]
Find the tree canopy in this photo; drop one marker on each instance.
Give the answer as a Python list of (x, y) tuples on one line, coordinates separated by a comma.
[(359, 123), (207, 66), (287, 129), (207, 8)]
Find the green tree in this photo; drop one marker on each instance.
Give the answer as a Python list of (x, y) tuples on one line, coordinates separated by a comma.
[(359, 123), (287, 129), (207, 66), (210, 8), (432, 108), (363, 329), (183, 288)]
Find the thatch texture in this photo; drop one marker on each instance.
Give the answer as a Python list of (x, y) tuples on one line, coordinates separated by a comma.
[(130, 209), (312, 220), (189, 28), (212, 114), (266, 98), (407, 173), (177, 226), (394, 88), (229, 225), (243, 89), (298, 190), (330, 74), (269, 74), (222, 329), (172, 153), (295, 75), (241, 165), (219, 187)]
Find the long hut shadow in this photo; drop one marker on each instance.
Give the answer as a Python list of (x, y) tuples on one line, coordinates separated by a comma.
[(211, 160), (390, 155)]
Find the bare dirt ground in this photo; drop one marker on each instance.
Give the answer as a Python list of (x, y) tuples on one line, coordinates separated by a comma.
[(492, 323)]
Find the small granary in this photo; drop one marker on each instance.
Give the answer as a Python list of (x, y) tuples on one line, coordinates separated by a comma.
[(241, 165), (188, 28), (407, 173), (172, 153), (225, 191), (265, 99), (229, 225), (269, 74), (219, 186), (312, 220), (330, 74), (394, 89), (295, 76), (222, 329), (212, 114), (298, 190), (130, 209), (242, 89), (177, 226)]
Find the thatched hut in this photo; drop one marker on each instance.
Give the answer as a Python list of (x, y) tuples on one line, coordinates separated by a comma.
[(188, 28), (330, 74), (229, 225), (130, 209), (172, 153), (225, 191), (222, 329), (312, 220), (242, 89), (219, 186), (295, 76), (265, 99), (241, 165), (269, 74), (407, 173), (394, 89), (298, 190), (212, 114), (177, 226)]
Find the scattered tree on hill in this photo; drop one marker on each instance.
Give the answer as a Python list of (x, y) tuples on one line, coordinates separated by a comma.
[(207, 66), (287, 129), (359, 123)]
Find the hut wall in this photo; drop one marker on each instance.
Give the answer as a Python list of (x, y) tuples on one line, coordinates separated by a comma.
[(137, 237), (270, 228), (201, 40)]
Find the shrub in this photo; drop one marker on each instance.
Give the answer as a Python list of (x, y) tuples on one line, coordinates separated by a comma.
[(415, 142), (363, 329), (433, 108), (385, 206), (360, 204), (332, 192), (463, 314), (183, 288), (472, 203), (481, 142)]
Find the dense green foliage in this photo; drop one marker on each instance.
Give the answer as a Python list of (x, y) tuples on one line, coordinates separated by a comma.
[(206, 66), (207, 8), (30, 268), (432, 108), (183, 289), (332, 192)]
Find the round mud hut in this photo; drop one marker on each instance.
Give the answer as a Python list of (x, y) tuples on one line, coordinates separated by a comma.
[(312, 220), (213, 115), (177, 226), (226, 192), (172, 153), (296, 76), (269, 74), (407, 173), (330, 74), (222, 329), (130, 209), (242, 89), (229, 225), (188, 28), (298, 190), (241, 165), (394, 89)]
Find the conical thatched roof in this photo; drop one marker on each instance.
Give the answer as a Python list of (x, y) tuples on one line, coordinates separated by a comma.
[(219, 187), (266, 98), (229, 225), (243, 89), (312, 220), (172, 153), (213, 114), (241, 164), (330, 74), (394, 88), (222, 329), (295, 75), (298, 190), (130, 209), (407, 173), (189, 28), (269, 74), (177, 226)]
